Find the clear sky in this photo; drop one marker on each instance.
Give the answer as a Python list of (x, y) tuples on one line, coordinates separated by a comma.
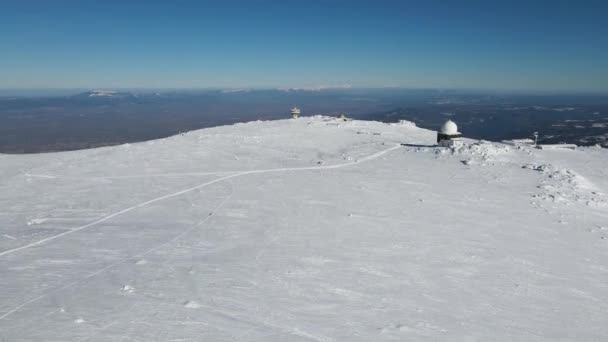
[(520, 45)]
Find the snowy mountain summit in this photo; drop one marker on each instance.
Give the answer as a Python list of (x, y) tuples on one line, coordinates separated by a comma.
[(308, 229), (103, 95), (97, 93)]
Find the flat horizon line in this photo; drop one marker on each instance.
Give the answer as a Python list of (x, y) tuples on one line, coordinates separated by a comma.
[(64, 91)]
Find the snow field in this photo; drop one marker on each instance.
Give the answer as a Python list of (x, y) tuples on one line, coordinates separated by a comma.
[(240, 233)]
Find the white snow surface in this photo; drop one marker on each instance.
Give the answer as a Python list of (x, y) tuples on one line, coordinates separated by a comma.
[(313, 229)]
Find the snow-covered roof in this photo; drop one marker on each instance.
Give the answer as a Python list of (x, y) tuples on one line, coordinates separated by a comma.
[(449, 127)]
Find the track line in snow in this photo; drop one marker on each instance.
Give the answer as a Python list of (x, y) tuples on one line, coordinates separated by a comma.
[(181, 192), (172, 174), (121, 261), (105, 218), (175, 238)]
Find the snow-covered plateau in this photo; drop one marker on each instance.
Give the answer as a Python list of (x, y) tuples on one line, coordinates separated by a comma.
[(313, 229)]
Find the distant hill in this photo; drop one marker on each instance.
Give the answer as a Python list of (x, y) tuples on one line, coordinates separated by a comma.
[(109, 117)]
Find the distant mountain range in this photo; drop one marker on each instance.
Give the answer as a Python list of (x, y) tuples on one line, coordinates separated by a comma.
[(107, 117), (103, 93)]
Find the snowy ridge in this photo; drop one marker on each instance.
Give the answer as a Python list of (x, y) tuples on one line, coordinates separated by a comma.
[(98, 93), (307, 229)]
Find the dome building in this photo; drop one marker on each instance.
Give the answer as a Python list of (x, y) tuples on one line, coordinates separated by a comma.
[(448, 134)]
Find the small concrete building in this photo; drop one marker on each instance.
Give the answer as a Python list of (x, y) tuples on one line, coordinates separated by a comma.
[(295, 112), (448, 134)]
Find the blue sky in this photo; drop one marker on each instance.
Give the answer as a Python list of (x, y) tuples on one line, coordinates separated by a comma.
[(513, 45)]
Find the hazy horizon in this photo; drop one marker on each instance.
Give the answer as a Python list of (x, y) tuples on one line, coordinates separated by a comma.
[(50, 92)]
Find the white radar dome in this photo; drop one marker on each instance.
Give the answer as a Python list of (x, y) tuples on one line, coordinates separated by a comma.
[(449, 127)]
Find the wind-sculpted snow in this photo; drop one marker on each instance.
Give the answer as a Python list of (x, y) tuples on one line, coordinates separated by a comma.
[(483, 151), (309, 229), (567, 186)]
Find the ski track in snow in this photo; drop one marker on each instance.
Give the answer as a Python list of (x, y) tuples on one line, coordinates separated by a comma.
[(123, 211), (122, 261), (469, 230), (181, 192)]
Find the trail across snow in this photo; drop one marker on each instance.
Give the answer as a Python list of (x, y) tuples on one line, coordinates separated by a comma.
[(336, 166), (244, 233), (140, 255), (181, 192)]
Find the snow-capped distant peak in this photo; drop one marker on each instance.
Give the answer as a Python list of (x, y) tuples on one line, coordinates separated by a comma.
[(96, 93), (319, 87), (240, 90)]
